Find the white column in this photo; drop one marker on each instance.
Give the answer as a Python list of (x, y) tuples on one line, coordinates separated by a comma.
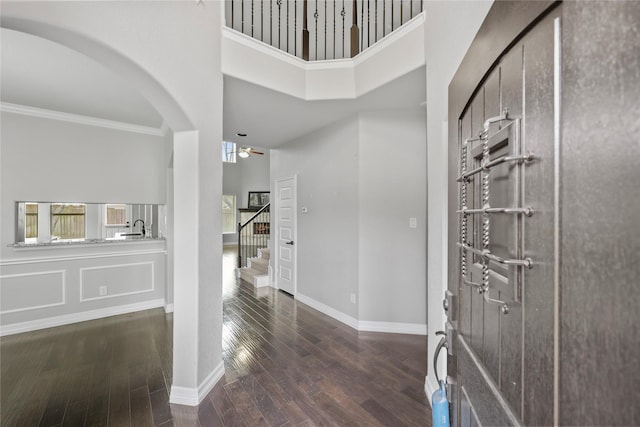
[(185, 268), (195, 341)]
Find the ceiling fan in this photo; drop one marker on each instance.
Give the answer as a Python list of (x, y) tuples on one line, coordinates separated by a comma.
[(245, 152)]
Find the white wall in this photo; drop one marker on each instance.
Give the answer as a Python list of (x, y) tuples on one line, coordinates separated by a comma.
[(392, 189), (54, 161), (49, 160), (250, 174), (326, 163), (449, 29), (254, 173), (360, 191)]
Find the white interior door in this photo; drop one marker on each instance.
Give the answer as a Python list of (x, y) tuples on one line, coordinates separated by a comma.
[(286, 227)]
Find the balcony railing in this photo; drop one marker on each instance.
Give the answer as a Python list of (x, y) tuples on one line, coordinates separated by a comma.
[(254, 234), (320, 29)]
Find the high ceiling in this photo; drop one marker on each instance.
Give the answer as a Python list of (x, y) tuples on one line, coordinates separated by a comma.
[(39, 73)]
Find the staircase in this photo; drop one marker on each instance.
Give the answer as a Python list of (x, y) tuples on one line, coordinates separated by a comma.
[(257, 270)]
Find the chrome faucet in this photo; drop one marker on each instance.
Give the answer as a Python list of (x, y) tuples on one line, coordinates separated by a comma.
[(134, 226)]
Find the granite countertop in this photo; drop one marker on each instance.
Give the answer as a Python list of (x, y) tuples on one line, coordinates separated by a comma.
[(97, 241)]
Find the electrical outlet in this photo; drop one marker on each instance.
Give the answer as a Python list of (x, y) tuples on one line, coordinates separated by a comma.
[(413, 222), (102, 290), (353, 298)]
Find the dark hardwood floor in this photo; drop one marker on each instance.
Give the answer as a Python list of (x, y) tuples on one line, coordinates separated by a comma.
[(285, 365)]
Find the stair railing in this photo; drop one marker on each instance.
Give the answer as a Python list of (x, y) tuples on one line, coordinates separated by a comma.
[(325, 33), (254, 234)]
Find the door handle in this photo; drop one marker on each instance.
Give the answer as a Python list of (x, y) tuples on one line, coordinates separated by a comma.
[(290, 242)]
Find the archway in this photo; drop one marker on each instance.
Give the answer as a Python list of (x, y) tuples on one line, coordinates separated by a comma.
[(147, 45)]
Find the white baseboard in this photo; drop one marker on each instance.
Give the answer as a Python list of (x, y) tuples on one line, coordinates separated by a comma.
[(331, 312), (193, 396), (168, 308), (428, 389), (364, 325), (393, 327), (50, 322)]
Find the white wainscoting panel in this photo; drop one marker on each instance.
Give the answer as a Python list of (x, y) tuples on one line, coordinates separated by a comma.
[(119, 279), (30, 291)]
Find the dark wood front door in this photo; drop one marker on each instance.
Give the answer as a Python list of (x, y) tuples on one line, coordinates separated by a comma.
[(501, 257)]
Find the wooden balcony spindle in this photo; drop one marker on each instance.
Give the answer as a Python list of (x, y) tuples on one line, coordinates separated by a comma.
[(355, 32), (305, 32)]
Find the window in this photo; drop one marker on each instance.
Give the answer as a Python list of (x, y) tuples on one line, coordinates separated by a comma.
[(31, 221), (229, 214), (67, 221), (116, 214), (228, 152)]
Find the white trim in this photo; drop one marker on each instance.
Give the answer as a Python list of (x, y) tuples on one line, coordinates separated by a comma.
[(184, 396), (393, 327), (50, 322), (168, 308), (351, 68), (276, 249), (253, 43), (104, 267), (234, 243), (35, 307), (428, 390), (345, 63), (207, 385), (193, 396), (21, 261), (415, 23), (78, 119), (331, 312), (364, 326)]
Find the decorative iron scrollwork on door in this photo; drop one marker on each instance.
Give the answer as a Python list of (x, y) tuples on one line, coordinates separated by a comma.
[(508, 133)]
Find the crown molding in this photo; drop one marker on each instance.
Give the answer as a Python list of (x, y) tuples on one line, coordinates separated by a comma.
[(83, 120)]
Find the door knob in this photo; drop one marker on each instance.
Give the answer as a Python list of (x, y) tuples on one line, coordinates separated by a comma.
[(290, 242)]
